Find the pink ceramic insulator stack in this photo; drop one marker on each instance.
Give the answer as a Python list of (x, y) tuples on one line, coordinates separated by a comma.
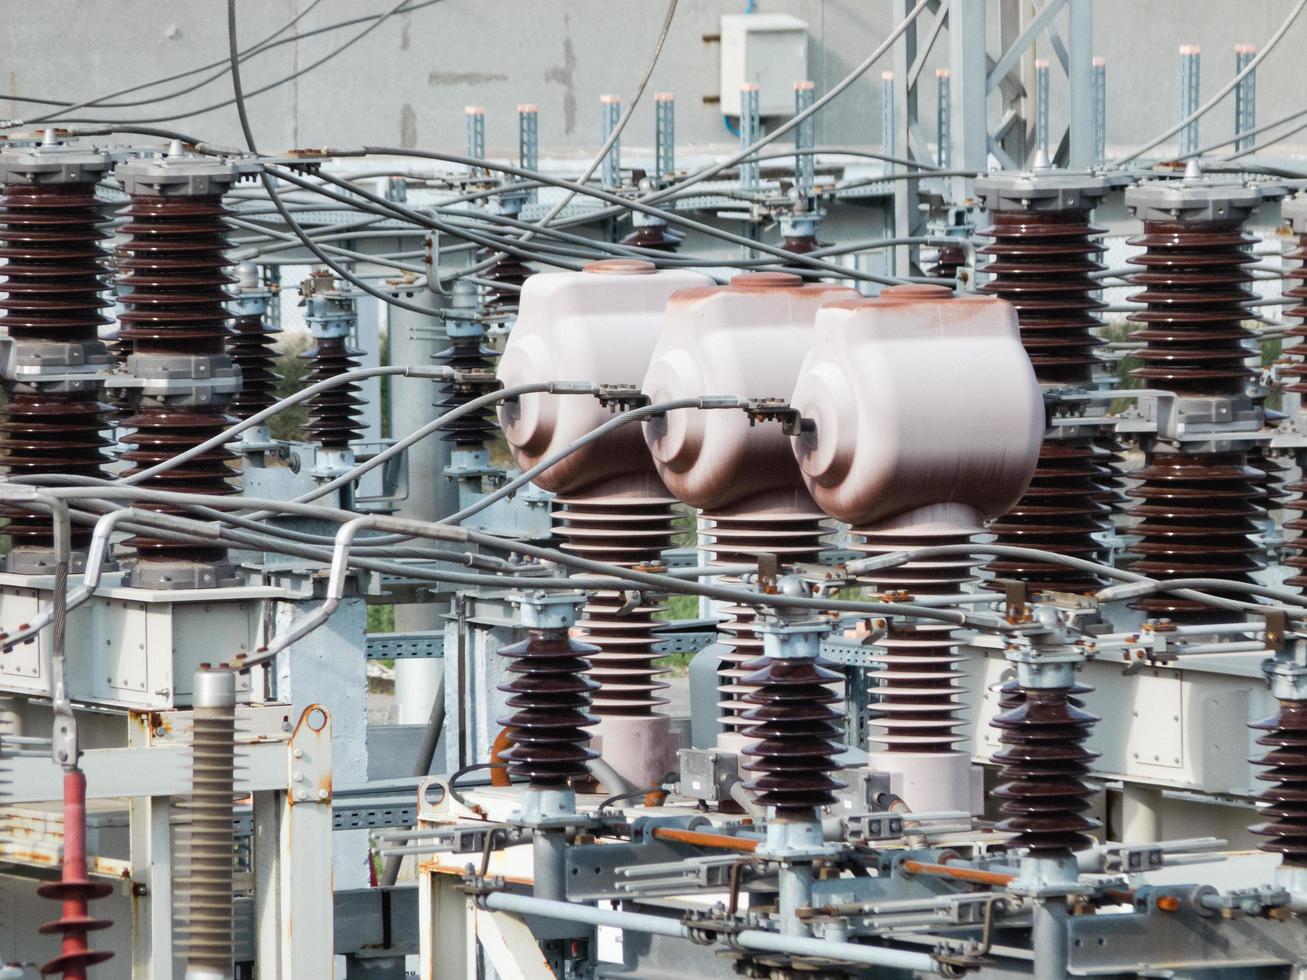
[(600, 325), (745, 339), (925, 421)]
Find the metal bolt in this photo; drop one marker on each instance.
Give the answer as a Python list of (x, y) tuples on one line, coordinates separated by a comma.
[(322, 794), (301, 795)]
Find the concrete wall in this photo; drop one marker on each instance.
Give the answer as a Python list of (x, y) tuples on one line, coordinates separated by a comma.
[(406, 82)]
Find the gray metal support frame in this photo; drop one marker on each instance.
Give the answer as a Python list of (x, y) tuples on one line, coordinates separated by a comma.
[(1082, 85)]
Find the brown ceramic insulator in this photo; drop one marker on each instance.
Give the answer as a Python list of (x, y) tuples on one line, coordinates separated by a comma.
[(1294, 374), (1271, 490), (740, 539), (334, 414), (1196, 291), (172, 279), (1067, 503), (794, 734), (918, 684), (1046, 791), (1010, 694), (624, 531), (1285, 802), (1042, 262), (251, 349), (509, 270), (158, 434), (550, 697), (801, 244), (52, 291), (1197, 514), (659, 238), (468, 354), (948, 260)]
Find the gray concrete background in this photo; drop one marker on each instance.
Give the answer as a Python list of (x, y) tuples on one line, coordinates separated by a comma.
[(408, 81)]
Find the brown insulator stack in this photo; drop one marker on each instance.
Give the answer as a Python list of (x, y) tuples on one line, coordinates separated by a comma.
[(1198, 502), (1043, 253), (507, 274), (468, 354), (1294, 373), (794, 538), (794, 734), (173, 276), (335, 413), (53, 293), (918, 683), (1046, 766), (1285, 802), (550, 697), (656, 235), (251, 345), (625, 530)]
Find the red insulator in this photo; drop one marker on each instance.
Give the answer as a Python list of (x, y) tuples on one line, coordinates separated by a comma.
[(1285, 803), (74, 890), (173, 278), (1042, 262), (251, 346), (948, 260), (550, 695), (740, 539), (657, 237), (1045, 768), (52, 292), (334, 414), (794, 734), (625, 531), (1197, 514), (918, 683)]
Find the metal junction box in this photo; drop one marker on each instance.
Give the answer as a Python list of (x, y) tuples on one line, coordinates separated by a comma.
[(767, 50), (129, 648)]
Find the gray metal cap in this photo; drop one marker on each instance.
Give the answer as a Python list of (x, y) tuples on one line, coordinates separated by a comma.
[(53, 162), (214, 689), (1045, 190), (177, 174), (1294, 211), (1195, 198)]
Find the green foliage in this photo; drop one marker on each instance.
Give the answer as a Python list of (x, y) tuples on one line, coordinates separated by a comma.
[(292, 373), (381, 619)]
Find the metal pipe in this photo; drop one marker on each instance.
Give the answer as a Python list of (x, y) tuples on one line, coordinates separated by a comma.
[(1049, 938), (721, 842), (974, 875), (751, 939)]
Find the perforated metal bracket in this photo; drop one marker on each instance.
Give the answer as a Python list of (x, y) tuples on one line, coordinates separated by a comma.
[(309, 759)]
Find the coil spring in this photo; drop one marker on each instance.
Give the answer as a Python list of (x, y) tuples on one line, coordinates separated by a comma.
[(739, 539), (625, 531), (917, 683), (173, 278), (1197, 514), (54, 270), (551, 697), (208, 854), (251, 349), (1045, 768), (794, 734), (1285, 802)]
